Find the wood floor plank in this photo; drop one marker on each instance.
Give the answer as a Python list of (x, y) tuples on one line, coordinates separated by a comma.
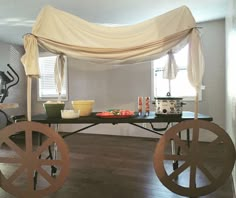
[(105, 166)]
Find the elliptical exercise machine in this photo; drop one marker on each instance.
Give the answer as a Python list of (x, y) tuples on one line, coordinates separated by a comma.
[(7, 80)]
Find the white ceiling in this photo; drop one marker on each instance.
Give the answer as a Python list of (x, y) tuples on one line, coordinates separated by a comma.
[(18, 16)]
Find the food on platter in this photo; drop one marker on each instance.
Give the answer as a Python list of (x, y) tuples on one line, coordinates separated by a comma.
[(121, 112), (116, 113)]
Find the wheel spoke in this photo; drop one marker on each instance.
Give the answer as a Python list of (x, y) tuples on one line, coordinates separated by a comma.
[(30, 175), (14, 147), (43, 173), (43, 147), (45, 162), (195, 135), (194, 145), (193, 176), (179, 170), (175, 157), (17, 172), (209, 176), (10, 160), (28, 141), (181, 143)]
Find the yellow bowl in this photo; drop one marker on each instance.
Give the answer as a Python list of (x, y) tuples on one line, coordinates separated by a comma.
[(84, 106)]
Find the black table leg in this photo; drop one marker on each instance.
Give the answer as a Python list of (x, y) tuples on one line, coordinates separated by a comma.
[(188, 137), (176, 163)]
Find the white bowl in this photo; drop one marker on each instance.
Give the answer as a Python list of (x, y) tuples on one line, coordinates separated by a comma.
[(70, 114)]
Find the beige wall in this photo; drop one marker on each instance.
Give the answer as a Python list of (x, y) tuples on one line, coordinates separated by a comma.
[(213, 42), (230, 74)]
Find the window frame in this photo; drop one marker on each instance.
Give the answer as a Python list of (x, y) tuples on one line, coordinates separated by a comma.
[(66, 85), (185, 98)]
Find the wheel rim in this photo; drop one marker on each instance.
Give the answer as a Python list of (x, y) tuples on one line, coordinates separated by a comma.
[(25, 161), (193, 159)]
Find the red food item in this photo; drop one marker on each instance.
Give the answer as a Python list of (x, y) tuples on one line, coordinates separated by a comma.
[(126, 112), (106, 113), (116, 114)]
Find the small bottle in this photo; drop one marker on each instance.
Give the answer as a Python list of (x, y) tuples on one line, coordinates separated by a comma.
[(140, 105), (147, 106)]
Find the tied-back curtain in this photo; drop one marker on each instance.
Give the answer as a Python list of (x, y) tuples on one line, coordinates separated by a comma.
[(59, 73), (170, 69)]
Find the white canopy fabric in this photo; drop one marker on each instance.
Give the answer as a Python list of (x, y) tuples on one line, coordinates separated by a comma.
[(62, 33), (65, 34)]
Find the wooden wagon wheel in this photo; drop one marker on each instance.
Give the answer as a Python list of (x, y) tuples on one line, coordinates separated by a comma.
[(193, 159), (24, 159)]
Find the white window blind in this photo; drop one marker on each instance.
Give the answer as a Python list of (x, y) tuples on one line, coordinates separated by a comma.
[(178, 87), (46, 83)]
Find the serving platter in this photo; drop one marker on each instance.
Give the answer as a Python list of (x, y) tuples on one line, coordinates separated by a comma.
[(116, 113), (101, 115)]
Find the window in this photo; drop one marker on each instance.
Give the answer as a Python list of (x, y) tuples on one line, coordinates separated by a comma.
[(178, 87), (46, 83)]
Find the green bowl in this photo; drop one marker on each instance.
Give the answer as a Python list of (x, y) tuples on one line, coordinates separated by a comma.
[(53, 110)]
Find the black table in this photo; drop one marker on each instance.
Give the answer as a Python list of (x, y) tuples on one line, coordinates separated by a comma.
[(186, 115), (134, 120)]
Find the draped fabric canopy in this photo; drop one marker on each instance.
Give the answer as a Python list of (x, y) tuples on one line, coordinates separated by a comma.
[(62, 33)]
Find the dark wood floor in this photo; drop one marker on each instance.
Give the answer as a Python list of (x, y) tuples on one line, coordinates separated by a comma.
[(115, 167)]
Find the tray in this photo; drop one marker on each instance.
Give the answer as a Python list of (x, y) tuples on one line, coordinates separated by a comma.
[(102, 115)]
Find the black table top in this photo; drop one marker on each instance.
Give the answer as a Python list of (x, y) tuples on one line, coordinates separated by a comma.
[(186, 115)]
